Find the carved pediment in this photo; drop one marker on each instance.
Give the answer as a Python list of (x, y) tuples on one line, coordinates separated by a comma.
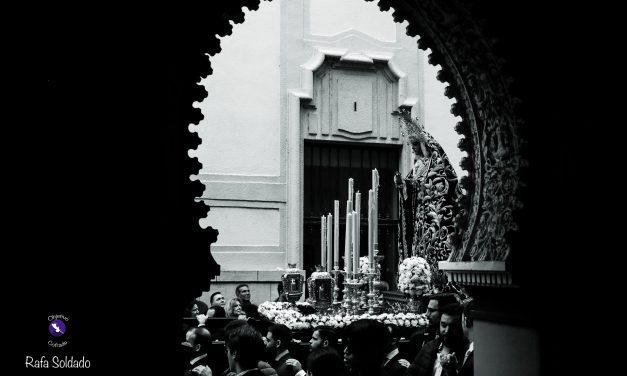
[(353, 100)]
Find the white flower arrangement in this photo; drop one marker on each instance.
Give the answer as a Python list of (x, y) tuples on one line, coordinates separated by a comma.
[(364, 264), (414, 276), (282, 313)]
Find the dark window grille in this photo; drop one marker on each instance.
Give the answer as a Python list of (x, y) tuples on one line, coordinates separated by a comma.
[(328, 166)]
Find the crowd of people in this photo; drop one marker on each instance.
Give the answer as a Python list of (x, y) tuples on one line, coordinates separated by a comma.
[(239, 307), (363, 348)]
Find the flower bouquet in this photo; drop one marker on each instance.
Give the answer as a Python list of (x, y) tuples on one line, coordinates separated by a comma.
[(414, 278), (364, 265)]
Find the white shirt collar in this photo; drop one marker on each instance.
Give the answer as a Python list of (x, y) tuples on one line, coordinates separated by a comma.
[(197, 359), (280, 355), (471, 348), (392, 354), (389, 356)]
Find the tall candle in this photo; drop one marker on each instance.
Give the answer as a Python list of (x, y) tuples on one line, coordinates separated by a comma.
[(370, 228), (336, 234), (375, 206), (347, 238), (351, 190), (374, 178), (358, 224), (329, 242), (347, 251), (323, 243), (355, 249)]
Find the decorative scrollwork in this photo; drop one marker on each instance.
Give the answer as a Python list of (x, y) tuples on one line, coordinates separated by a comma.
[(430, 196), (489, 125)]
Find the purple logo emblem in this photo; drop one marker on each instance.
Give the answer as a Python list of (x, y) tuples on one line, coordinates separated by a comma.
[(57, 328)]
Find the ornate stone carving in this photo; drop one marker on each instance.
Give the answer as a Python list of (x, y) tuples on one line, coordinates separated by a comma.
[(429, 199), (489, 124), (352, 101)]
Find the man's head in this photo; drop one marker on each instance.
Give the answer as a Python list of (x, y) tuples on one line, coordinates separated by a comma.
[(433, 312), (278, 338), (199, 339), (322, 337), (244, 348), (394, 335), (366, 344), (242, 292), (451, 325), (217, 299), (435, 303)]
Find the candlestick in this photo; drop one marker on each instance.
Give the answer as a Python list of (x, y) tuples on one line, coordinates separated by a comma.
[(375, 205), (358, 225), (347, 250), (323, 233), (355, 243), (351, 190), (370, 225), (329, 243), (347, 244), (336, 234), (374, 178)]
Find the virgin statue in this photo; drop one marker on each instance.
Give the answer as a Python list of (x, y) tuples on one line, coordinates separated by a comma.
[(428, 199)]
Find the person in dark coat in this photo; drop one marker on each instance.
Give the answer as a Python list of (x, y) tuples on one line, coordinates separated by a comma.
[(323, 336), (423, 335), (244, 350), (366, 345), (394, 363), (263, 366), (199, 340), (279, 338), (468, 364), (242, 292), (444, 354)]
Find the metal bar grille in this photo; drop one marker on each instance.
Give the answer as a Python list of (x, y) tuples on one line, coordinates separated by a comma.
[(328, 166)]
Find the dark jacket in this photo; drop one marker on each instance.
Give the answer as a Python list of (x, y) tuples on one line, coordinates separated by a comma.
[(394, 368), (266, 369), (418, 338), (468, 368), (197, 367), (423, 364), (219, 311), (281, 368)]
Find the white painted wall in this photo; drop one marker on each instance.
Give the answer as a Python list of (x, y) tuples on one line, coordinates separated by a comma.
[(244, 226), (240, 131), (439, 121), (330, 17)]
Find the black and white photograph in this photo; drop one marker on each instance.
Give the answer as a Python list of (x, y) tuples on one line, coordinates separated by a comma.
[(305, 187)]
